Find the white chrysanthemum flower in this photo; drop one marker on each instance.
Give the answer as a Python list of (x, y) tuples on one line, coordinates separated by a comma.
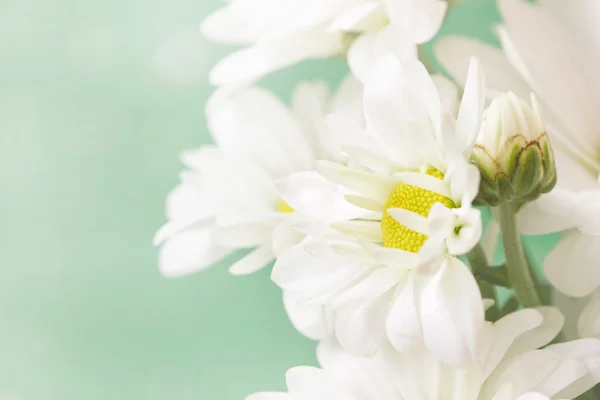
[(393, 275), (510, 365), (227, 199), (553, 49), (280, 33)]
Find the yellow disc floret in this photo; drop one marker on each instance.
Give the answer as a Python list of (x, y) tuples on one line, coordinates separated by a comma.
[(283, 207), (417, 200)]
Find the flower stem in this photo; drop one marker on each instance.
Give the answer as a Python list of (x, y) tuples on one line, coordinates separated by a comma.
[(479, 263), (519, 273)]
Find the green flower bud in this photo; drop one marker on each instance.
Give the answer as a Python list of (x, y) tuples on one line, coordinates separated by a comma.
[(513, 152)]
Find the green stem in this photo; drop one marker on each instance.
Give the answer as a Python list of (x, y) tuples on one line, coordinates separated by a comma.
[(479, 264), (521, 278)]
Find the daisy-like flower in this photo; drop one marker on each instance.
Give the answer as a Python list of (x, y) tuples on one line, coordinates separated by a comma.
[(393, 275), (510, 365), (227, 199), (280, 33), (553, 49)]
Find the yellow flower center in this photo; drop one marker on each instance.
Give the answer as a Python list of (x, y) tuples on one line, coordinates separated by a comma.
[(417, 200), (283, 207)]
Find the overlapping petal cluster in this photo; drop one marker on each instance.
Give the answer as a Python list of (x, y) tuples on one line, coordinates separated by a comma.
[(366, 199)]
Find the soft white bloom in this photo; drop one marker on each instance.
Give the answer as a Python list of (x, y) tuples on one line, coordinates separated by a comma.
[(280, 33), (510, 365), (391, 274), (227, 199), (588, 324), (553, 49)]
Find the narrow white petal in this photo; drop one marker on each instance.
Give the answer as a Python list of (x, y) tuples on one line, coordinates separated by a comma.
[(411, 220), (503, 334), (540, 336), (426, 182), (188, 252), (454, 54), (243, 235), (266, 57), (369, 230), (313, 195), (255, 261), (365, 202), (368, 184)]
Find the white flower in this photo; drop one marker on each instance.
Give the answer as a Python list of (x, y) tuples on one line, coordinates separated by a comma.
[(392, 275), (280, 33), (509, 366), (227, 199), (553, 49)]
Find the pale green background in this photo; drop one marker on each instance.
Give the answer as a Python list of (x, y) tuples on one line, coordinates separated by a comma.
[(97, 100)]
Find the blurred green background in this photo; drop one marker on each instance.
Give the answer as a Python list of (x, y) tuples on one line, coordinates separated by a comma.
[(97, 101)]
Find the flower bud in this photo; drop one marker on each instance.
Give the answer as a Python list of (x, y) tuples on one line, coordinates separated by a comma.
[(513, 152)]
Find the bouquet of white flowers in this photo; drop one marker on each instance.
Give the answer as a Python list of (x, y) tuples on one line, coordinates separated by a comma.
[(369, 199)]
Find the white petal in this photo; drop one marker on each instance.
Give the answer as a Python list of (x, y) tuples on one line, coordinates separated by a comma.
[(587, 351), (572, 266), (452, 314), (588, 324), (454, 54), (310, 102), (188, 252), (285, 235), (441, 221), (420, 19), (243, 235), (228, 25), (313, 322), (559, 81), (366, 183), (256, 260), (369, 47), (540, 336), (532, 370), (361, 331), (312, 195), (411, 220), (269, 56), (464, 182), (368, 230), (489, 241), (403, 107), (268, 136), (356, 18), (504, 333), (532, 396), (403, 325), (448, 93), (315, 280), (314, 383), (426, 182), (468, 222)]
